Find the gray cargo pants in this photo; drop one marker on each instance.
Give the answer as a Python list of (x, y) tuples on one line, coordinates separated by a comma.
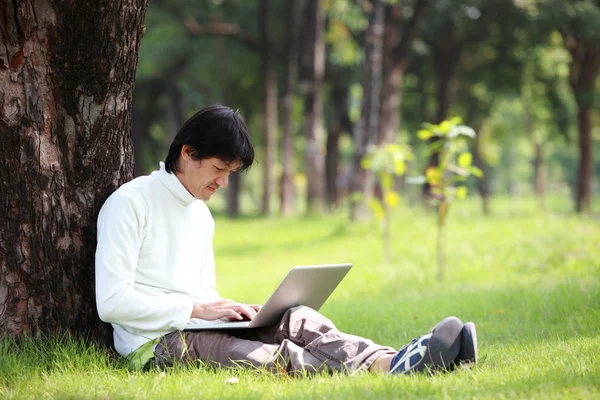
[(303, 341)]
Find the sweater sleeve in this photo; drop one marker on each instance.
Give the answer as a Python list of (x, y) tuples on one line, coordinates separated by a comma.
[(120, 233)]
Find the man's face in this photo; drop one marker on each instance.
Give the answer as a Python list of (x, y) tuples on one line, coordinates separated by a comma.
[(202, 178)]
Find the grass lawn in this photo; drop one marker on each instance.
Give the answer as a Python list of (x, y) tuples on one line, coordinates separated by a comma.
[(530, 281)]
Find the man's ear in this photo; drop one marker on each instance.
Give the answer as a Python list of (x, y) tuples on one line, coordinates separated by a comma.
[(186, 153)]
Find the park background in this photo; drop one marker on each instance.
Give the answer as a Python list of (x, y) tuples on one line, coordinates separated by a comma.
[(322, 84)]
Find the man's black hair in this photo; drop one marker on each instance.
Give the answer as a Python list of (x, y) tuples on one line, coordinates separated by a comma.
[(215, 131)]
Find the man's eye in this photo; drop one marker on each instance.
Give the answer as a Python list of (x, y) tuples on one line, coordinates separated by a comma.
[(218, 169)]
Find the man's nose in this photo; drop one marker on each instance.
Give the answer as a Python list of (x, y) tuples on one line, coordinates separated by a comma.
[(223, 182)]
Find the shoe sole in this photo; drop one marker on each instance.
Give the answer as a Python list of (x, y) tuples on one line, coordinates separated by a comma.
[(468, 351), (443, 347)]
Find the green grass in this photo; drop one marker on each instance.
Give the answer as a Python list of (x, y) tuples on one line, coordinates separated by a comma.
[(530, 281)]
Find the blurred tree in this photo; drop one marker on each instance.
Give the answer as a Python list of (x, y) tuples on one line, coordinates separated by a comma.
[(581, 35), (287, 190), (66, 79), (545, 113), (387, 161), (346, 22), (397, 40), (270, 106), (447, 178), (313, 47), (184, 38), (367, 128), (474, 59), (339, 122)]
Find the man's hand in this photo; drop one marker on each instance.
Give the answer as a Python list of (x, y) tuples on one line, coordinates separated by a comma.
[(224, 309)]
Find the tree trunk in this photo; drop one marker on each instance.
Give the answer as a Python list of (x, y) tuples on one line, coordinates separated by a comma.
[(583, 72), (288, 192), (367, 128), (483, 182), (586, 160), (340, 123), (332, 158), (313, 109), (540, 173), (65, 116), (445, 60), (232, 193), (270, 102), (396, 45), (537, 143)]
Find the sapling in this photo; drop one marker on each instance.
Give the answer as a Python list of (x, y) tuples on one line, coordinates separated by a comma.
[(387, 161), (447, 179)]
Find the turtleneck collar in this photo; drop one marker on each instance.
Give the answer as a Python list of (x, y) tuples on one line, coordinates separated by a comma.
[(175, 186)]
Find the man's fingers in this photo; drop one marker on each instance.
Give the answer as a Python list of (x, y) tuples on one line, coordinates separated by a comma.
[(246, 311), (255, 307), (232, 314)]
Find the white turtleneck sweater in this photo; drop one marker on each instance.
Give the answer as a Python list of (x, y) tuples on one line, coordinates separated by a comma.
[(154, 259)]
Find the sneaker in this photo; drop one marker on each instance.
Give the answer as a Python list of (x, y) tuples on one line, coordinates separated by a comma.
[(468, 349), (433, 351)]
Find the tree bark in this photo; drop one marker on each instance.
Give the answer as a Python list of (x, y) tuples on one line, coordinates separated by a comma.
[(483, 182), (367, 128), (540, 174), (232, 193), (270, 104), (396, 45), (340, 122), (446, 55), (583, 72), (66, 78), (287, 190), (538, 148), (313, 108)]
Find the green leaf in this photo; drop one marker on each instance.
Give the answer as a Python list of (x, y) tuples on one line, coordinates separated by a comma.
[(465, 160), (476, 171), (366, 162), (386, 181), (377, 208), (399, 167), (424, 134), (445, 127), (392, 199), (433, 175), (455, 120), (461, 192)]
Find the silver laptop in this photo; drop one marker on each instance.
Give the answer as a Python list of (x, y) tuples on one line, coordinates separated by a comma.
[(307, 285)]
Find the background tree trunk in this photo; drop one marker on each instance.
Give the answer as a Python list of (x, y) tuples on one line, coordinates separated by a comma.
[(288, 192), (483, 182), (232, 193), (340, 122), (65, 120), (367, 128), (396, 44), (270, 121), (313, 109), (446, 56), (145, 113), (539, 171), (585, 62)]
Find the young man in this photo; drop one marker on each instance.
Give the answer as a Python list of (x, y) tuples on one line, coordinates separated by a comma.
[(155, 270)]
